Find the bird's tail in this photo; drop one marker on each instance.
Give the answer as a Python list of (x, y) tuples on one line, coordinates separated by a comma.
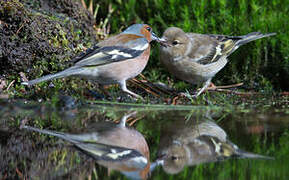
[(252, 37), (51, 133), (244, 154), (65, 73)]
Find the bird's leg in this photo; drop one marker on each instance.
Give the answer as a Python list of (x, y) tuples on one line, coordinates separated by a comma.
[(123, 120), (124, 89), (206, 84)]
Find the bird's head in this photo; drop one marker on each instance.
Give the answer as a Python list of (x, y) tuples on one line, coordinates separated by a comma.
[(174, 158), (178, 41), (143, 30)]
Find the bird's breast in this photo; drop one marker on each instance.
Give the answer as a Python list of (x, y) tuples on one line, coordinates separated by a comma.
[(118, 71), (193, 72)]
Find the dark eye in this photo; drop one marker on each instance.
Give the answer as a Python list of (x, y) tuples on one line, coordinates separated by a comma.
[(149, 29), (174, 158), (175, 42)]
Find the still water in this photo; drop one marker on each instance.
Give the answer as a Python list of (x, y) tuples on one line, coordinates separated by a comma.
[(104, 141)]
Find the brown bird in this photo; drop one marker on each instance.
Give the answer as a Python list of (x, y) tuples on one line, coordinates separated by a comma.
[(188, 144), (197, 58)]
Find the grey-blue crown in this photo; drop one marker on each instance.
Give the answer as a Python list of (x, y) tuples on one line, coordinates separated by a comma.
[(134, 29)]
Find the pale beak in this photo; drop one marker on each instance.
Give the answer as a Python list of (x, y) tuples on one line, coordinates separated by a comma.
[(154, 37), (162, 41)]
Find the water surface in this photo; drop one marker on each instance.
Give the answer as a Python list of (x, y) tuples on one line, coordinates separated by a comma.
[(176, 138)]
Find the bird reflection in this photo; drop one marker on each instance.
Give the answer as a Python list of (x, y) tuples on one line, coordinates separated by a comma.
[(114, 146), (187, 144)]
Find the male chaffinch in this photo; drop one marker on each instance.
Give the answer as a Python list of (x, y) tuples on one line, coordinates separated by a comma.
[(186, 144), (197, 58), (113, 60), (112, 145)]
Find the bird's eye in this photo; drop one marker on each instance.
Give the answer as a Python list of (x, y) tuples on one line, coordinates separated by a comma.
[(175, 42), (174, 158), (149, 29)]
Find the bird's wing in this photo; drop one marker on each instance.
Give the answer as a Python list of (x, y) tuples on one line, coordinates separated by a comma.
[(220, 149), (109, 153), (210, 48), (104, 152), (115, 49)]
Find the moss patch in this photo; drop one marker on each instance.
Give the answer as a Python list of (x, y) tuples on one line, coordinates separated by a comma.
[(37, 36)]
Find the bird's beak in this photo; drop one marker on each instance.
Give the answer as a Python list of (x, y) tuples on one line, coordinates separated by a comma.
[(154, 37), (162, 41)]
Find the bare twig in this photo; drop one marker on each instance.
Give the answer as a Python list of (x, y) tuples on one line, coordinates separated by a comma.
[(19, 173), (90, 7), (147, 84), (174, 102), (20, 27), (141, 85), (286, 93), (83, 4), (236, 92), (229, 86), (10, 85), (213, 87), (134, 120)]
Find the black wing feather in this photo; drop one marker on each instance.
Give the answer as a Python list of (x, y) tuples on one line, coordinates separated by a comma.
[(88, 52), (85, 59)]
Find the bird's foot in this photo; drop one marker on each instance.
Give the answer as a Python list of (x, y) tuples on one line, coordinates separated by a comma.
[(211, 87), (124, 89), (187, 95), (134, 94)]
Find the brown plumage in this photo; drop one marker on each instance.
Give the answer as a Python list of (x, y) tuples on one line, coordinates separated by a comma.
[(197, 58), (190, 143)]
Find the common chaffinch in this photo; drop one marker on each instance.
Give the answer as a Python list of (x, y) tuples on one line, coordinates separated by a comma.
[(186, 144), (112, 145), (113, 60), (197, 58)]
